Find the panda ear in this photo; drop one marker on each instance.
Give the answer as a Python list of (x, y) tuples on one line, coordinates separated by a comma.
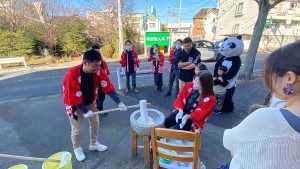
[(239, 37)]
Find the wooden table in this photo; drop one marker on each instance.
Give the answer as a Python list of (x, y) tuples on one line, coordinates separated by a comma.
[(146, 147)]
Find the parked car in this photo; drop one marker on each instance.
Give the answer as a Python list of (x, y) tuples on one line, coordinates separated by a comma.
[(208, 50)]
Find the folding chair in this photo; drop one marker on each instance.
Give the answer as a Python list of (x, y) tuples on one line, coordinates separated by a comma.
[(178, 135)]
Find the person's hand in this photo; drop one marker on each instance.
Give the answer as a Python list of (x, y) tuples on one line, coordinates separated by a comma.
[(122, 106), (183, 121), (179, 115), (221, 79), (88, 114), (215, 78)]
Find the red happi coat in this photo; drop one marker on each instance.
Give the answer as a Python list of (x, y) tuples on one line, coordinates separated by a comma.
[(71, 86), (171, 56), (160, 63), (105, 67), (201, 111), (123, 61)]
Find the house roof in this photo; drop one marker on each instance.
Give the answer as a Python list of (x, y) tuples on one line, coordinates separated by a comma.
[(204, 11)]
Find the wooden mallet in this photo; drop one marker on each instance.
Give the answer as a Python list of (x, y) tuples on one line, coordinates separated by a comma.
[(117, 109), (63, 161)]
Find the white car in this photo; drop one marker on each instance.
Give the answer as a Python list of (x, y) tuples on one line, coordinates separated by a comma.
[(208, 50)]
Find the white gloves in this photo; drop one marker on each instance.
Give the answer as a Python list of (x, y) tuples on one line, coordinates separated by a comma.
[(179, 115), (88, 114), (122, 106), (183, 121)]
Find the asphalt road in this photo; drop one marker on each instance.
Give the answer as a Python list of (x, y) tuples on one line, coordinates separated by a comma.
[(33, 122), (48, 82)]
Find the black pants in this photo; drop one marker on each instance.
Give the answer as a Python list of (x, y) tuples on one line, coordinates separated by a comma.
[(100, 99), (174, 76), (158, 79), (170, 121), (228, 105), (133, 78)]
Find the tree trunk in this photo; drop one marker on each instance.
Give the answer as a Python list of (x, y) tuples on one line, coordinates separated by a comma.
[(247, 69)]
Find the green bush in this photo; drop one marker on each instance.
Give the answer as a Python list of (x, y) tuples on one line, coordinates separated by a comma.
[(14, 44), (107, 51), (75, 40)]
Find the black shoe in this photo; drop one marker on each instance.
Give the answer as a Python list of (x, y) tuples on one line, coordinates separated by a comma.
[(156, 89), (127, 90), (167, 94), (217, 111), (159, 89)]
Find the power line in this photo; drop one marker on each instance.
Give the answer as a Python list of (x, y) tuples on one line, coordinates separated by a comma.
[(194, 2), (197, 7)]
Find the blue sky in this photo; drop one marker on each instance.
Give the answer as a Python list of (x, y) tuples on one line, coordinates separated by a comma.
[(189, 8)]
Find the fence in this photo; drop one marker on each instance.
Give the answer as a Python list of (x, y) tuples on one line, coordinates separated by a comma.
[(12, 60), (139, 72)]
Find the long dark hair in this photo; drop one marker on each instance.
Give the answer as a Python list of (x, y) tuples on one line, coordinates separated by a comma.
[(207, 83), (279, 62)]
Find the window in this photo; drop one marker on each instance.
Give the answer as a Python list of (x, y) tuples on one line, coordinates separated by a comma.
[(236, 29), (203, 44), (152, 25), (240, 9)]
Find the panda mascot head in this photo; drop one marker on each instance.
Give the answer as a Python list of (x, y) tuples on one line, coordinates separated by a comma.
[(233, 46)]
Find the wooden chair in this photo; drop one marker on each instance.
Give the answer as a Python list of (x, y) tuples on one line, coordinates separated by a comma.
[(178, 135)]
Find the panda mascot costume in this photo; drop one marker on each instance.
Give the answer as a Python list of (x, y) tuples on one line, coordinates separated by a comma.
[(231, 50)]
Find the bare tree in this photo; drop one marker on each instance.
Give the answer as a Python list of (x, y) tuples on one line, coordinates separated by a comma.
[(14, 14), (57, 15), (264, 6), (101, 25)]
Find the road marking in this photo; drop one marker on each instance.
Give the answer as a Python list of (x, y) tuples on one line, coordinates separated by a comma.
[(31, 98), (33, 79)]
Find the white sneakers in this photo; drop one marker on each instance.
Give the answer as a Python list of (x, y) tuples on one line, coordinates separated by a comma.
[(97, 146), (79, 152)]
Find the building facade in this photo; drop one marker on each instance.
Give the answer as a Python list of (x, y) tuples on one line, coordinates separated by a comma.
[(143, 24), (239, 17), (205, 24), (179, 31)]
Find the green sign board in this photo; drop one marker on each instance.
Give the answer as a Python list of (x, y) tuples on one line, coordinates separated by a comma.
[(159, 38), (268, 22)]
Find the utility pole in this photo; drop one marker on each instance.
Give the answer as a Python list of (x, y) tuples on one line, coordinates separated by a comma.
[(169, 47), (179, 14), (121, 42), (145, 47)]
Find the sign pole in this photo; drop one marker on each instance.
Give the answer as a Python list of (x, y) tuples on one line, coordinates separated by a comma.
[(145, 47), (121, 42)]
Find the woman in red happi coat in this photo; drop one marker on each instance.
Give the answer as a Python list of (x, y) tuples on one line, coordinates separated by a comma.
[(194, 104)]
